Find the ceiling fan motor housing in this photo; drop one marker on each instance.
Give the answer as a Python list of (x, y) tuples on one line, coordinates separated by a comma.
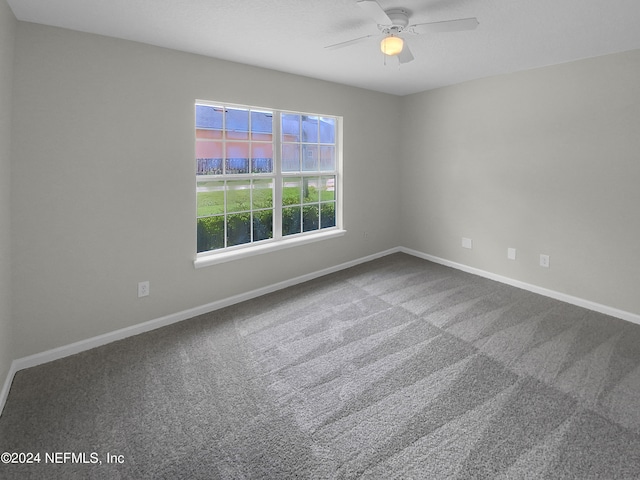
[(399, 17)]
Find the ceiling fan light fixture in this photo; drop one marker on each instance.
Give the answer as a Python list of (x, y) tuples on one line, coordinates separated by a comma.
[(391, 45)]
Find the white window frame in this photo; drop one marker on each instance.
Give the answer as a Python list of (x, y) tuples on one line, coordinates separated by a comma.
[(278, 242)]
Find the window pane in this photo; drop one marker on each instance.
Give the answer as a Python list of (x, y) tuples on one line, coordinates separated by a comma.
[(290, 220), (210, 233), (290, 127), (310, 193), (309, 129), (310, 158), (262, 225), (209, 166), (291, 187), (261, 158), (310, 218), (263, 193), (237, 124), (238, 229), (327, 130), (291, 157), (261, 126), (208, 157), (238, 195), (210, 197), (327, 215), (208, 121), (327, 158), (237, 160), (328, 189)]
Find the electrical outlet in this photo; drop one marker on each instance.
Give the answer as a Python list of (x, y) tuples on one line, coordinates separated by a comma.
[(143, 289), (544, 260), (467, 243), (511, 253)]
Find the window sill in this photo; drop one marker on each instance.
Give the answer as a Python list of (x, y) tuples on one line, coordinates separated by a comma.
[(222, 257)]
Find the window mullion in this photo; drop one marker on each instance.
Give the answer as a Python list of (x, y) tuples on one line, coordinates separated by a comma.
[(250, 146), (277, 160)]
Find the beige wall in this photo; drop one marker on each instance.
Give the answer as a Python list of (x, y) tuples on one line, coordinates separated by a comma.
[(546, 161), (104, 186), (7, 34)]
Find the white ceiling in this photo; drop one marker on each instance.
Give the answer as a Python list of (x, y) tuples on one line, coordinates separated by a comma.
[(290, 35)]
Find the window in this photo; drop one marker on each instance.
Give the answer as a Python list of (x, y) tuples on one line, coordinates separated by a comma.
[(263, 176)]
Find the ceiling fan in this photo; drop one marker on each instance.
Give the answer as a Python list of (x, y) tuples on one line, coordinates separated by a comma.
[(394, 24)]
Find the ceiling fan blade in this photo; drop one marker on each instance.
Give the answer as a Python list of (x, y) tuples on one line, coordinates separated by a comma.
[(405, 56), (375, 11), (446, 26), (348, 42)]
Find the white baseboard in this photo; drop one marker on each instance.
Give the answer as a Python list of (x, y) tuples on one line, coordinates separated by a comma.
[(77, 347), (89, 343), (580, 302), (4, 393)]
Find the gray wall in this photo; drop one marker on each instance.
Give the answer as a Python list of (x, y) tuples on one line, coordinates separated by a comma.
[(102, 179), (7, 34), (546, 161), (104, 185)]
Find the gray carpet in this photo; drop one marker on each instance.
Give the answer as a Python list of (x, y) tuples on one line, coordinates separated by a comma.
[(398, 368)]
